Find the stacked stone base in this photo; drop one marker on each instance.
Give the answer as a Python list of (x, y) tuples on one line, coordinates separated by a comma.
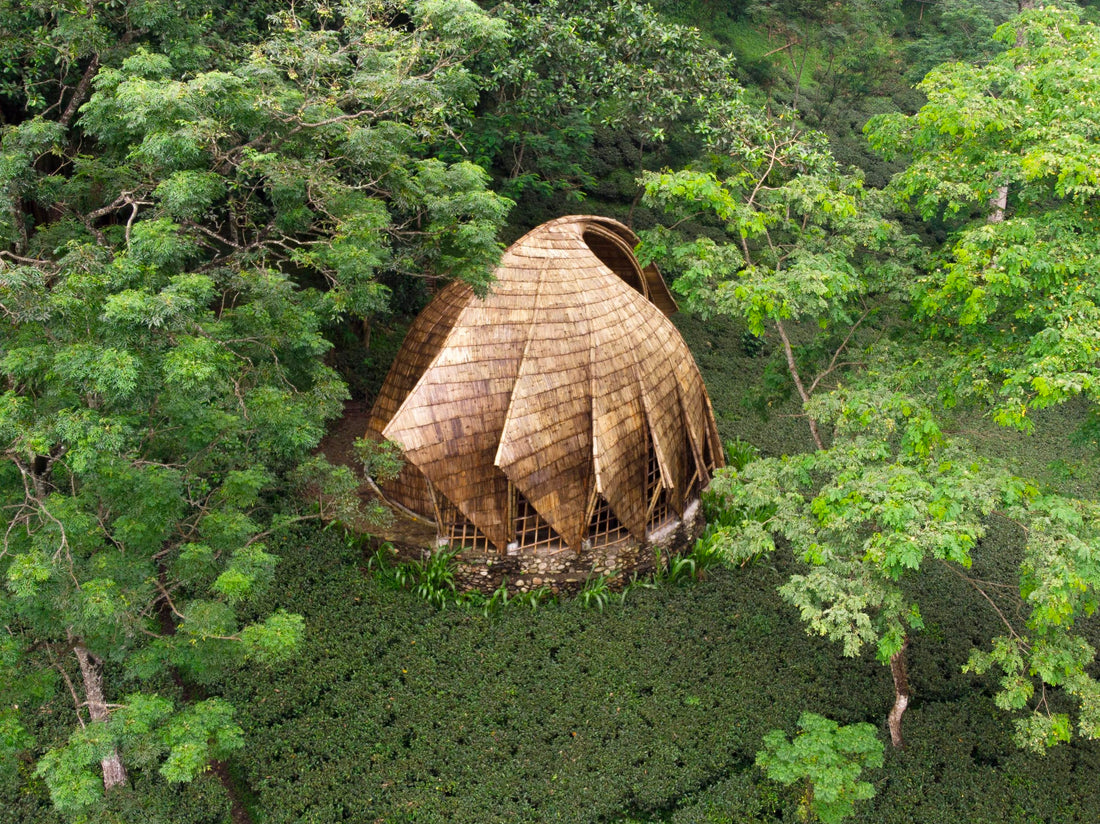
[(561, 569)]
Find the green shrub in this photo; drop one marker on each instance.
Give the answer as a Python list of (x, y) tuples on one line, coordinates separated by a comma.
[(501, 598), (596, 592), (739, 453), (435, 579), (652, 710), (828, 760)]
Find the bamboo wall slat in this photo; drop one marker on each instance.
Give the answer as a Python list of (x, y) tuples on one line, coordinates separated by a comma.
[(422, 343), (564, 381), (544, 446)]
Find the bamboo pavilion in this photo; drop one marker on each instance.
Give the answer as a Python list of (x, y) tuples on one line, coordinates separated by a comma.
[(558, 426)]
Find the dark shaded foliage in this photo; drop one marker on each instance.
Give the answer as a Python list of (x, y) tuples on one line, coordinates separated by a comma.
[(654, 709)]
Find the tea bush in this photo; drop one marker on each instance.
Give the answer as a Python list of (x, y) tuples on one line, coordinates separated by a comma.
[(650, 710), (404, 713)]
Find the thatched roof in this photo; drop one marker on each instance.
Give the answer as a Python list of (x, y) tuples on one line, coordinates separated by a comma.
[(565, 381)]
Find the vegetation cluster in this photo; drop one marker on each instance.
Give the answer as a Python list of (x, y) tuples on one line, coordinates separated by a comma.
[(215, 220), (649, 711)]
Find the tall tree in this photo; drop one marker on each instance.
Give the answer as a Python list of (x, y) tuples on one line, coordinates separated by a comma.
[(802, 244), (1010, 318), (172, 248), (815, 263), (841, 47), (956, 31), (573, 66), (1006, 152), (1014, 297), (891, 494)]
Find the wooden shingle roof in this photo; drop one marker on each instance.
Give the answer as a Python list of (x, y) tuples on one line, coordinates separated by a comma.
[(556, 382)]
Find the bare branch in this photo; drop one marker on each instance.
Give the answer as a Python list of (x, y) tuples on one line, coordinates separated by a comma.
[(72, 688), (843, 345), (168, 600), (792, 367), (29, 261), (788, 45), (974, 583)]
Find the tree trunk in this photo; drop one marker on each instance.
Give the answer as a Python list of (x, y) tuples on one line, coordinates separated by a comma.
[(792, 367), (91, 669), (997, 205), (999, 201), (80, 94), (900, 672)]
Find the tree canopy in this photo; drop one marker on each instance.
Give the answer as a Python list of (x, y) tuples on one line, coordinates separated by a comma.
[(1012, 291), (1004, 321), (177, 238), (199, 200)]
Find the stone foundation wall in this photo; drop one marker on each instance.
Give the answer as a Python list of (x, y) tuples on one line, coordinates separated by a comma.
[(565, 570)]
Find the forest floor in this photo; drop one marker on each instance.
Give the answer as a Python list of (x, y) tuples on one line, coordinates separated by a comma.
[(339, 444), (409, 537)]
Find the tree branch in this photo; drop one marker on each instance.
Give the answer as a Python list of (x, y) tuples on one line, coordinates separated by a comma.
[(72, 688), (792, 367), (81, 92), (843, 345), (1011, 629)]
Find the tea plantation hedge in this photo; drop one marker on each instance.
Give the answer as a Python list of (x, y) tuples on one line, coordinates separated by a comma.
[(649, 711)]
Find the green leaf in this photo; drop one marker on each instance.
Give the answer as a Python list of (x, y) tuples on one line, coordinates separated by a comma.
[(276, 639)]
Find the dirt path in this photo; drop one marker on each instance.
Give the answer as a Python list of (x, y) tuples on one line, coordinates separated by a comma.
[(236, 806), (339, 444)]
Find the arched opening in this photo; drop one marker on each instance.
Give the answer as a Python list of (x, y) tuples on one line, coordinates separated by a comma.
[(659, 511), (616, 256), (454, 527), (531, 531)]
